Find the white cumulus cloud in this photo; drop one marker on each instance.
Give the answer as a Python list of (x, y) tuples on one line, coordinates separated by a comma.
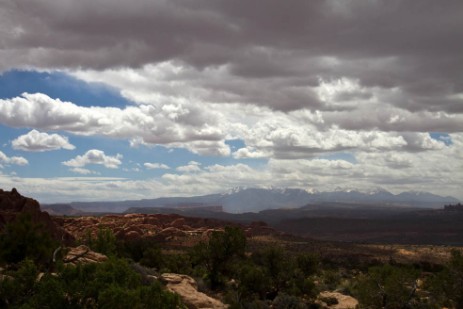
[(83, 171), (13, 160), (152, 166), (95, 156), (193, 128), (191, 167), (41, 141), (245, 152)]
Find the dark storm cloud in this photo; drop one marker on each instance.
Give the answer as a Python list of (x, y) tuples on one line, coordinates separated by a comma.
[(415, 46)]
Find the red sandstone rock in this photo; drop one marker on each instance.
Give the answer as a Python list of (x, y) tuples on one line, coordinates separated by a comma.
[(133, 229), (171, 232), (132, 235), (178, 222), (151, 220), (131, 216), (165, 227)]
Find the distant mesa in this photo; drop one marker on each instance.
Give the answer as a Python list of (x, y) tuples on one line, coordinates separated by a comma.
[(456, 207), (61, 210)]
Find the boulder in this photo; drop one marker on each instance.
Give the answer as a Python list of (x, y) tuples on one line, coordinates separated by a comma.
[(83, 254), (152, 220), (131, 235), (343, 301), (187, 289)]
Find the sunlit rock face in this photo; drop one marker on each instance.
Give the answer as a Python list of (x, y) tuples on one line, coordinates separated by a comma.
[(339, 301), (83, 255), (186, 287)]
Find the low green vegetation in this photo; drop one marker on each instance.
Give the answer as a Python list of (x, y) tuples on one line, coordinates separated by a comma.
[(23, 239), (32, 280), (269, 275), (104, 242), (112, 284)]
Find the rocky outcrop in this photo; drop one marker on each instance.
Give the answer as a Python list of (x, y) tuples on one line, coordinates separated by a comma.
[(136, 226), (162, 227), (83, 255), (13, 204), (336, 300), (187, 289)]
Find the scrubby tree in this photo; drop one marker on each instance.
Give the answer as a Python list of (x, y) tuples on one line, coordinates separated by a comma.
[(446, 287), (217, 254), (278, 265), (253, 281), (153, 257), (272, 272), (104, 241), (23, 238), (18, 289), (387, 286), (455, 271), (307, 263)]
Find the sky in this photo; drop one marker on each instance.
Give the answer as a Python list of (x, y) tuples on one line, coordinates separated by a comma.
[(118, 100)]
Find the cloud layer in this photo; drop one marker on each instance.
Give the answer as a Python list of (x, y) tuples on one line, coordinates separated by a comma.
[(325, 93), (172, 124), (266, 133), (432, 171), (287, 47)]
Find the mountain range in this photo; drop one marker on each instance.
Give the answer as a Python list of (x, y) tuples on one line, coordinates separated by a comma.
[(242, 200)]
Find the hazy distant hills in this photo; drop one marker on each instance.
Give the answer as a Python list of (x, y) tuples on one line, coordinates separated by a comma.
[(241, 200), (61, 209), (254, 200), (373, 217)]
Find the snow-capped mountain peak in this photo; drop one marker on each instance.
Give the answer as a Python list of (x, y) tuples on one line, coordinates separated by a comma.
[(377, 190), (235, 190)]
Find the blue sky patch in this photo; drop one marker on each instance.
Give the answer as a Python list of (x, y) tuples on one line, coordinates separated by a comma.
[(346, 156), (443, 137), (60, 85)]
